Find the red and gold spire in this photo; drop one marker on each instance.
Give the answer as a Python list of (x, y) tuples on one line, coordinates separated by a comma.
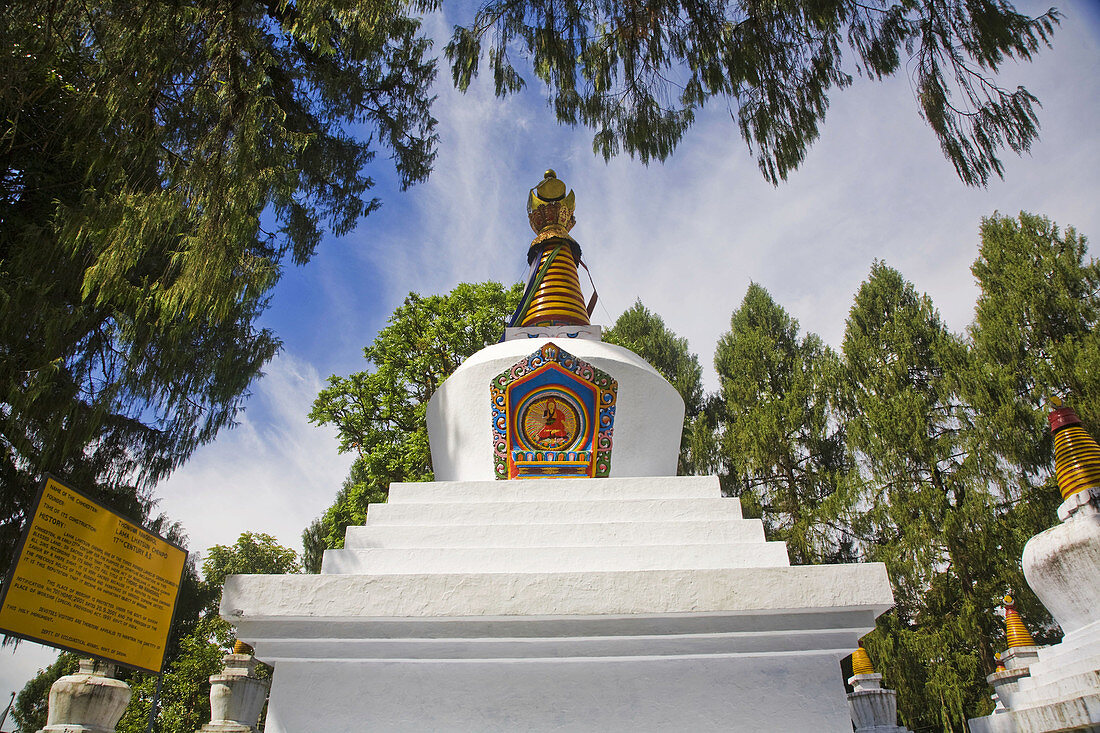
[(553, 295), (1076, 454), (1015, 630)]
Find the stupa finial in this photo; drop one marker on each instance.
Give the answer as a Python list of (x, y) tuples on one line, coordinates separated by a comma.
[(1076, 454), (1015, 630), (550, 208), (553, 294), (861, 663)]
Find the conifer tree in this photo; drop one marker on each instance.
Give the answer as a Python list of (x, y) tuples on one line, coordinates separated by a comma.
[(926, 504), (645, 333), (141, 144), (1035, 335), (781, 442)]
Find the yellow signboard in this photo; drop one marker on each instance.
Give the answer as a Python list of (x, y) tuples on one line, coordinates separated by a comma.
[(88, 580)]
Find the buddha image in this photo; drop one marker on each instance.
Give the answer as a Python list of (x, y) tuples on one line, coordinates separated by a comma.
[(549, 423), (554, 432)]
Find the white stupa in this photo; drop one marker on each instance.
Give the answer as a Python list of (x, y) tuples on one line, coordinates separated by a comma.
[(1056, 689), (558, 575)]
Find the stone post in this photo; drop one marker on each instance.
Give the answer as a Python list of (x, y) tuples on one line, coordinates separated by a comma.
[(236, 696), (874, 708), (89, 701)]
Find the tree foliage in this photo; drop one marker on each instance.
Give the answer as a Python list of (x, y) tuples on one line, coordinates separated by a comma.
[(646, 334), (379, 414), (639, 72), (1035, 332), (782, 445), (924, 508), (139, 145)]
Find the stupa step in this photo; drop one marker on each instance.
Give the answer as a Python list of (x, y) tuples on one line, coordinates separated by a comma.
[(555, 535), (762, 591), (550, 512), (1068, 686), (571, 489), (762, 638), (554, 559)]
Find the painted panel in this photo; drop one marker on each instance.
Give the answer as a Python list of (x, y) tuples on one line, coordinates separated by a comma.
[(553, 416)]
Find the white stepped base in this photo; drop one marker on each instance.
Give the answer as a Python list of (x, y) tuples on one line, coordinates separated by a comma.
[(558, 605), (555, 559), (698, 650), (556, 535), (558, 489), (1063, 691), (551, 512)]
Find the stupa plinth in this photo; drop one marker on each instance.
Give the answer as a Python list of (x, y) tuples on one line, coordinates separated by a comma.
[(874, 708), (558, 575)]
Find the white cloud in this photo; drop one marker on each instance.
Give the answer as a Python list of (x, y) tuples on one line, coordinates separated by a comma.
[(275, 472)]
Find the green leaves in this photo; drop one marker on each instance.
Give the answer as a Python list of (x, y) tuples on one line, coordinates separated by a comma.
[(781, 442), (637, 73), (379, 414), (139, 147), (644, 333)]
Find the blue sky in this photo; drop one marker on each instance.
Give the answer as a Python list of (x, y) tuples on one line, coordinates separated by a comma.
[(686, 237)]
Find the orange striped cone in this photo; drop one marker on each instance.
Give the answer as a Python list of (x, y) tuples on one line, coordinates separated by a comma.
[(1014, 626), (861, 663), (1076, 454)]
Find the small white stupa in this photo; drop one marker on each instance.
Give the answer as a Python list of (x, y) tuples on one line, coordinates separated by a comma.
[(557, 575), (1057, 688), (874, 707)]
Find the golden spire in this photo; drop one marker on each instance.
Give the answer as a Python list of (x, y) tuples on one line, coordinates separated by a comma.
[(1014, 626), (553, 294), (1000, 664), (861, 663), (1076, 454)]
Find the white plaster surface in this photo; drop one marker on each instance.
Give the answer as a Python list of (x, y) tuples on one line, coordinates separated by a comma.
[(634, 695), (556, 489), (1056, 563), (551, 512), (555, 559), (558, 605), (560, 534), (549, 332), (1001, 721), (427, 595), (649, 412)]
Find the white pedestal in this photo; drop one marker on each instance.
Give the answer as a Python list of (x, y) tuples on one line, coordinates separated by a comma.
[(558, 604)]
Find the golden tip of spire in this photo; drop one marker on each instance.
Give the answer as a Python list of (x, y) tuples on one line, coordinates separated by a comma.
[(1055, 400), (550, 188), (550, 207), (1008, 601)]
